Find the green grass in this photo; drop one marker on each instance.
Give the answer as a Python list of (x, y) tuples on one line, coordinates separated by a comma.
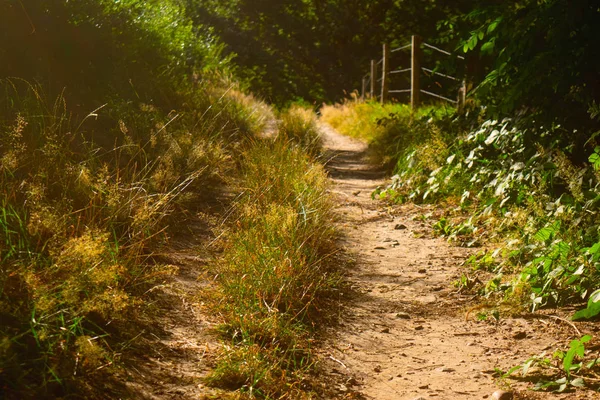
[(275, 275), (389, 129), (79, 222)]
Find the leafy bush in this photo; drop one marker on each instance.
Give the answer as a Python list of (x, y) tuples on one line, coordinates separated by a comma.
[(514, 185), (525, 193)]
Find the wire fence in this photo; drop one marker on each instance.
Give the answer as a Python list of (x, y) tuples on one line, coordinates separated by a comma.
[(381, 74)]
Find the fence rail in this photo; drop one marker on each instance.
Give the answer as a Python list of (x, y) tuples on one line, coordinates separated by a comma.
[(381, 73)]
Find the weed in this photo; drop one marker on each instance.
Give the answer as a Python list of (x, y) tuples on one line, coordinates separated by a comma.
[(563, 367), (78, 223)]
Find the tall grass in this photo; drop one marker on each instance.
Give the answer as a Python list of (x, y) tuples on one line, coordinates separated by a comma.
[(80, 220), (275, 275), (299, 125)]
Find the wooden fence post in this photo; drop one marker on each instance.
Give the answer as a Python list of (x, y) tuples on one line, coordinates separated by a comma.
[(385, 78), (373, 77), (415, 85), (462, 95), (364, 89)]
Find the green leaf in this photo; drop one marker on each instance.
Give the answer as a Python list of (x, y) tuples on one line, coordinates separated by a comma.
[(492, 27), (577, 348), (480, 35), (473, 42), (526, 366), (547, 232), (594, 249), (595, 159), (513, 369), (585, 339), (592, 309), (578, 382), (488, 47)]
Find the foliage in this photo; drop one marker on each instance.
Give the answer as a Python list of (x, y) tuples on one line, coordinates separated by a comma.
[(313, 50), (513, 186), (543, 54), (387, 128), (93, 163), (592, 309), (522, 192), (566, 364), (78, 224)]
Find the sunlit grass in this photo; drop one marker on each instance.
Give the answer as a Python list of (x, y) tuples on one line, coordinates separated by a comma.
[(391, 130), (79, 222), (275, 274)]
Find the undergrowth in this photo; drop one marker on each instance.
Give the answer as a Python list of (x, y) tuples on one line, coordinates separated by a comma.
[(275, 274), (79, 223), (94, 164), (526, 193)]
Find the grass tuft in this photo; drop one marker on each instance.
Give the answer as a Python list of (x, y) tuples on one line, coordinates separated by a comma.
[(275, 274)]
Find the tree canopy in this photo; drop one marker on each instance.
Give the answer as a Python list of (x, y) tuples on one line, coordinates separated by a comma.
[(538, 54)]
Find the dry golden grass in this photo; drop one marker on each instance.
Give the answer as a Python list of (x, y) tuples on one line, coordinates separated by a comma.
[(79, 221), (275, 274)]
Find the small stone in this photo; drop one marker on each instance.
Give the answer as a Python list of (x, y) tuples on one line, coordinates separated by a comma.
[(400, 227), (380, 248), (356, 193), (520, 335), (422, 271), (352, 382), (424, 387), (385, 330), (377, 368), (502, 395), (403, 315), (419, 328)]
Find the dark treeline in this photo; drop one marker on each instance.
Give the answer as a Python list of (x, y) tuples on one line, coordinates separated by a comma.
[(536, 54), (315, 50)]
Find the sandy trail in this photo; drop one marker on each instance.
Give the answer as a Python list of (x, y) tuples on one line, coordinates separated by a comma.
[(405, 334)]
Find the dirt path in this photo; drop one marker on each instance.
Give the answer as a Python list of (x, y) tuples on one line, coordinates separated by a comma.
[(408, 333), (176, 345)]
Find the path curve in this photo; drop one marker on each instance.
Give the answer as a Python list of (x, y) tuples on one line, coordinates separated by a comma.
[(404, 334)]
